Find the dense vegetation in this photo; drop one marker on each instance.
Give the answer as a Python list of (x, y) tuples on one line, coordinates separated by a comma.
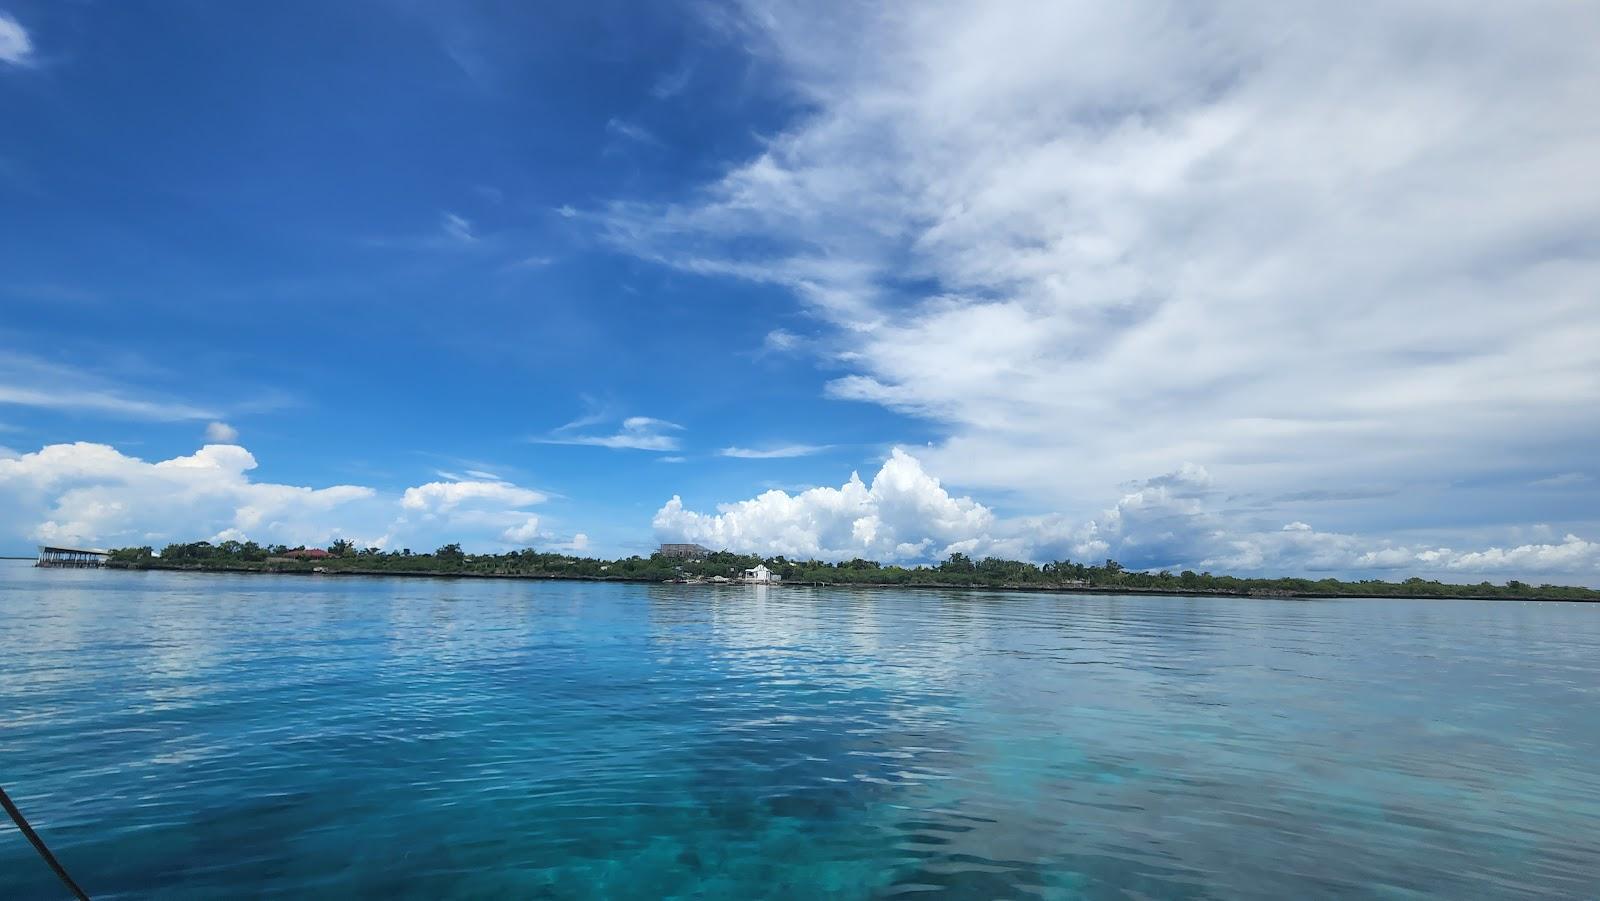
[(959, 570)]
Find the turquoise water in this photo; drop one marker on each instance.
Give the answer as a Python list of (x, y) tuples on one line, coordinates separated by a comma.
[(209, 736)]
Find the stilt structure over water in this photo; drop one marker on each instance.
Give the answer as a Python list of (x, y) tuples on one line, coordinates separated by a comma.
[(74, 557)]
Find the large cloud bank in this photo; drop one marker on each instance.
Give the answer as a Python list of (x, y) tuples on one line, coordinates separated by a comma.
[(96, 495), (906, 515), (1349, 247)]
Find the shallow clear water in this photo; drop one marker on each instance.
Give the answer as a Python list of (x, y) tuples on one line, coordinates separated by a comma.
[(186, 736)]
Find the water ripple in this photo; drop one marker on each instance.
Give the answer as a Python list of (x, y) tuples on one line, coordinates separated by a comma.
[(196, 736)]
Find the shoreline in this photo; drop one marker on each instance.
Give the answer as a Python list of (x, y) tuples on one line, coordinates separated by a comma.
[(940, 586)]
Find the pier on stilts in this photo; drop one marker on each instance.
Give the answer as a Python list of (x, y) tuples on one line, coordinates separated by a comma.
[(71, 557)]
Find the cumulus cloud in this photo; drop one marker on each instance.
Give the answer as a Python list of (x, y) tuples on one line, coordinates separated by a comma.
[(473, 506), (905, 514), (16, 48), (524, 532), (94, 494), (1299, 548), (221, 433), (1298, 243)]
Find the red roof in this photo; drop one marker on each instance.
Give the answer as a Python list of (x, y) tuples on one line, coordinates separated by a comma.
[(314, 553)]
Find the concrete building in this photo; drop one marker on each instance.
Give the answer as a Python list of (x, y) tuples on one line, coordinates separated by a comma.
[(684, 551)]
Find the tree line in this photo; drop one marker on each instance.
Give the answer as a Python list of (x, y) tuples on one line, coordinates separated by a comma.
[(958, 570)]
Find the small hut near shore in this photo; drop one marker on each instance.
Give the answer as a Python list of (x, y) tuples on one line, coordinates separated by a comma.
[(760, 575)]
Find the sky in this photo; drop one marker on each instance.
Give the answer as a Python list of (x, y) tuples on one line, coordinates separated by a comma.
[(1263, 288)]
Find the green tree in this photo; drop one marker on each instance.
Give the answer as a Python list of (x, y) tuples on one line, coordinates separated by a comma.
[(958, 563)]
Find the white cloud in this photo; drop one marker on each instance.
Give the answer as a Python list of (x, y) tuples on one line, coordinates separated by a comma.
[(903, 514), (636, 133), (524, 532), (1571, 555), (16, 47), (773, 453), (109, 402), (1161, 522), (781, 341), (458, 229), (1300, 549), (1563, 480), (92, 493), (485, 507), (30, 381), (221, 433), (1277, 239), (444, 497), (671, 84), (635, 433)]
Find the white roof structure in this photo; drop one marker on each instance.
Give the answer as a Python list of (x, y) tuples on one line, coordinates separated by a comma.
[(58, 549), (761, 575)]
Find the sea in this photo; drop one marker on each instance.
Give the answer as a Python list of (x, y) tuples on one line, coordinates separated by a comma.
[(190, 735)]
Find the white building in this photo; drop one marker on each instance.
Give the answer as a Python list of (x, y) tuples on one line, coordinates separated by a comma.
[(760, 575)]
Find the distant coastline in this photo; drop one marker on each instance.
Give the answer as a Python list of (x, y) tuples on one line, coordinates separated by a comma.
[(944, 586), (958, 572)]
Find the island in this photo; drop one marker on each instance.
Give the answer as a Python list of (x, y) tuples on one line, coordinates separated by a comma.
[(672, 565)]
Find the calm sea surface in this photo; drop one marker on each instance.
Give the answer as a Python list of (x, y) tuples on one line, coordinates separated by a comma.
[(208, 736)]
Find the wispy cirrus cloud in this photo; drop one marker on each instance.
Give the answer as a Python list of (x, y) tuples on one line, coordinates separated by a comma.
[(633, 433), (781, 341), (774, 453), (111, 403), (28, 381), (631, 131), (458, 229), (453, 233), (672, 83), (1563, 480)]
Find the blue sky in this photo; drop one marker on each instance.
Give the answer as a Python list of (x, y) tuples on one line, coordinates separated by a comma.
[(1260, 289)]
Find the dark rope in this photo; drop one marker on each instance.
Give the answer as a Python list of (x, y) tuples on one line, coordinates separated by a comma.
[(38, 845)]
